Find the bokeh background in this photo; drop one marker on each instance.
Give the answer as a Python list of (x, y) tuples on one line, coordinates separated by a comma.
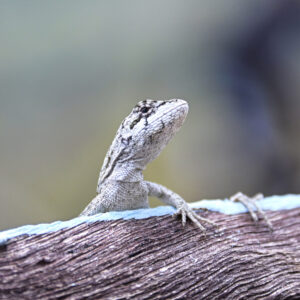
[(70, 71)]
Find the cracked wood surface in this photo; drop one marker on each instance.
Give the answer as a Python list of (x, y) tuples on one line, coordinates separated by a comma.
[(156, 258)]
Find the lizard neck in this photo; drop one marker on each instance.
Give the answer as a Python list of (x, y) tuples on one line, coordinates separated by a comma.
[(129, 172)]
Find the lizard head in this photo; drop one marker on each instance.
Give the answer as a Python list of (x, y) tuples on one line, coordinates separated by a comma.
[(142, 135), (151, 125)]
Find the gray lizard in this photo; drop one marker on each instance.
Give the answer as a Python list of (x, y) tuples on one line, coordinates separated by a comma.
[(139, 140)]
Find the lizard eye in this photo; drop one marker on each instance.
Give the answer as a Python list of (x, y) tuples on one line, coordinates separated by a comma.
[(145, 109)]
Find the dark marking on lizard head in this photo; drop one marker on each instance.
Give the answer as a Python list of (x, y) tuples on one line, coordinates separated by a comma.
[(108, 161), (126, 141)]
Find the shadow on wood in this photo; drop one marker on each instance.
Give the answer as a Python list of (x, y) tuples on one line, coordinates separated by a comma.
[(156, 258)]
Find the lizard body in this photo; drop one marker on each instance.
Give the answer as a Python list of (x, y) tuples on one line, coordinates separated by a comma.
[(139, 140)]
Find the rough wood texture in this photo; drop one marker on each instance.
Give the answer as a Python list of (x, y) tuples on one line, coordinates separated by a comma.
[(156, 258)]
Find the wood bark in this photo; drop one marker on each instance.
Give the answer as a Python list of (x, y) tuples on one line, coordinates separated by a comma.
[(156, 258)]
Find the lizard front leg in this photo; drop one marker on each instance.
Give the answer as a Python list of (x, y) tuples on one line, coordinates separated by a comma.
[(173, 199)]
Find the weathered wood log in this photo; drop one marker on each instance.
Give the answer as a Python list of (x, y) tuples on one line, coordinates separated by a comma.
[(156, 258)]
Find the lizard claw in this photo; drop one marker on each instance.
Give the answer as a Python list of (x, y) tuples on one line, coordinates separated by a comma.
[(250, 204), (185, 211)]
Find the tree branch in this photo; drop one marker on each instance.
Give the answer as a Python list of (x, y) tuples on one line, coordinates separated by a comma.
[(156, 258)]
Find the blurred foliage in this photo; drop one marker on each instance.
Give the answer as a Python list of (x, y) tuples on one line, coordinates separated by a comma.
[(72, 70)]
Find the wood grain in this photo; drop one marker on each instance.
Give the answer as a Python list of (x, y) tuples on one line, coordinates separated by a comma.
[(156, 258)]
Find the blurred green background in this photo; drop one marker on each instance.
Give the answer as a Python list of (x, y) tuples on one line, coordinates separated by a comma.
[(70, 71)]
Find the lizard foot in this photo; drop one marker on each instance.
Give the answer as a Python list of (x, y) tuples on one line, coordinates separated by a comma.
[(185, 211), (251, 205)]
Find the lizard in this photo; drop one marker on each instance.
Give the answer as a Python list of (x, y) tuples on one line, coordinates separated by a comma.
[(139, 140)]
